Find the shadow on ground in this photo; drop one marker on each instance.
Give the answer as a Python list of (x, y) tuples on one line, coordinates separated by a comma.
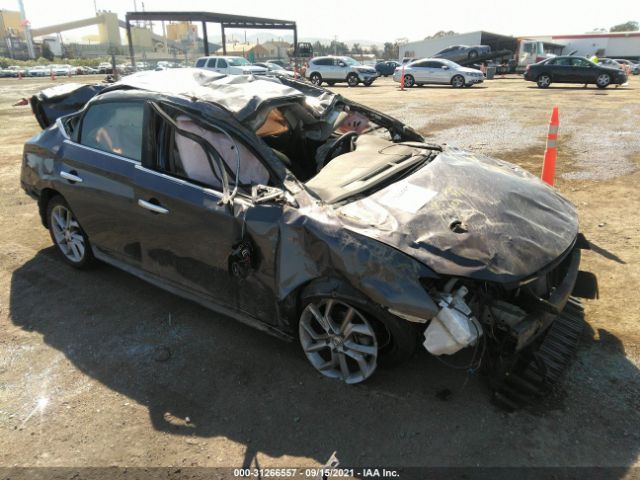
[(238, 383)]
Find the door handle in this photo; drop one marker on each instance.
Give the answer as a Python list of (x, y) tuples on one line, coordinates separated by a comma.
[(71, 176), (152, 206)]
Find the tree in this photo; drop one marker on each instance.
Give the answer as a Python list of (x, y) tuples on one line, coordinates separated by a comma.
[(356, 49), (442, 33), (46, 51), (629, 26), (390, 51), (374, 50)]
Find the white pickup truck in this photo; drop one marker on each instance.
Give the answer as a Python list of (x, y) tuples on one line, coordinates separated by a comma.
[(230, 65)]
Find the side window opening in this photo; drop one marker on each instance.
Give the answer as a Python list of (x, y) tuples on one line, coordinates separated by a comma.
[(222, 63), (200, 63), (211, 63), (206, 155), (114, 127)]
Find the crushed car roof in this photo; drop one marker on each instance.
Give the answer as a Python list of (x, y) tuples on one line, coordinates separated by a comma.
[(240, 94)]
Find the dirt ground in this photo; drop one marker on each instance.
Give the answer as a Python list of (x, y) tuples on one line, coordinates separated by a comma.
[(82, 384)]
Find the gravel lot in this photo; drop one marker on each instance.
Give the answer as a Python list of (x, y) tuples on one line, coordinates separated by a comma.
[(84, 374)]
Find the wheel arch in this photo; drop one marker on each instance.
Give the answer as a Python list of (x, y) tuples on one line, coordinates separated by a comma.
[(45, 197)]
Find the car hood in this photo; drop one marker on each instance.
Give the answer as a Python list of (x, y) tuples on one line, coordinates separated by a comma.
[(469, 216), (251, 68), (468, 70)]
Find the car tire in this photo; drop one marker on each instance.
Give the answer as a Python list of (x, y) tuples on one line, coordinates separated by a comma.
[(472, 54), (603, 80), (331, 84), (368, 83), (67, 234), (409, 81), (330, 327), (543, 80), (457, 81), (316, 79), (353, 80)]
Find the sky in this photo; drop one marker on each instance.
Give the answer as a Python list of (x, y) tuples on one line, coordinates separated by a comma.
[(374, 20)]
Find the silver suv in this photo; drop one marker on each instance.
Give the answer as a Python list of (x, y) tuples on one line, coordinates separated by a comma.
[(333, 70)]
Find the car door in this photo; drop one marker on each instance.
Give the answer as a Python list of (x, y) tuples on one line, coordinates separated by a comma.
[(211, 64), (336, 69), (96, 170), (191, 236), (583, 71), (439, 72), (222, 66), (559, 68), (419, 72)]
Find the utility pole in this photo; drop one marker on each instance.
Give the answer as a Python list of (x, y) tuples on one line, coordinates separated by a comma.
[(27, 30)]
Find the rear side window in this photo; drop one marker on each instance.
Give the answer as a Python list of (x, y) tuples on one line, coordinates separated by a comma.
[(211, 63), (114, 127), (323, 61), (222, 63), (200, 63)]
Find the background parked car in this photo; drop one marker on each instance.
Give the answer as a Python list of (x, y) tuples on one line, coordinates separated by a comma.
[(609, 62), (634, 67), (334, 70), (438, 71), (569, 69), (459, 53), (230, 65), (275, 68), (38, 71), (386, 67)]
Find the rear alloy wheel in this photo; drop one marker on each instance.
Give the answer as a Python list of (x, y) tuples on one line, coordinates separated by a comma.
[(543, 80), (67, 234), (316, 79), (338, 340), (603, 80), (457, 81), (409, 81), (473, 54), (353, 80), (368, 83)]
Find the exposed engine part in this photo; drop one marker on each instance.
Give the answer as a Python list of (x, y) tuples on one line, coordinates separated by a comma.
[(503, 314), (454, 327)]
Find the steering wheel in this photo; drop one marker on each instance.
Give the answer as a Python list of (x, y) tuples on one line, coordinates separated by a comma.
[(336, 144)]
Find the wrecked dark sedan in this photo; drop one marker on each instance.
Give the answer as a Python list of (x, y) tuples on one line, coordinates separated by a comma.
[(319, 220)]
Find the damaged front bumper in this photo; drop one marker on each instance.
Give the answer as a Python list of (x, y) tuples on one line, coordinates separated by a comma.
[(529, 329)]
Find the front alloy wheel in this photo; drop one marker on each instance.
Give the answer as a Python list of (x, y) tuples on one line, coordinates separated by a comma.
[(338, 340), (352, 80), (603, 80), (316, 79), (457, 81)]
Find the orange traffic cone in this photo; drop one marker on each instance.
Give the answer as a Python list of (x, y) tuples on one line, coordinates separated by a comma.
[(53, 74), (550, 154), (402, 79)]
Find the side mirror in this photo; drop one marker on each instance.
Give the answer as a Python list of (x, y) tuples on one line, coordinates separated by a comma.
[(342, 64), (444, 67)]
